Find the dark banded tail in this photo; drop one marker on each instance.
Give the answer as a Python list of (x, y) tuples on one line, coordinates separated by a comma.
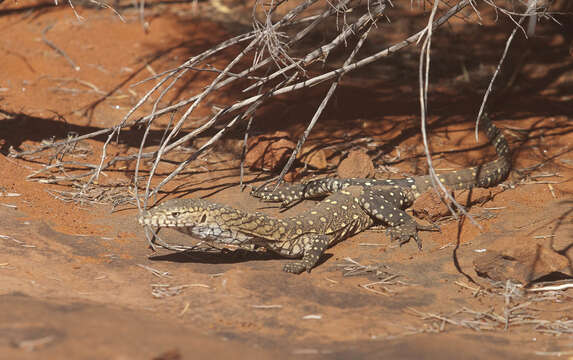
[(485, 175)]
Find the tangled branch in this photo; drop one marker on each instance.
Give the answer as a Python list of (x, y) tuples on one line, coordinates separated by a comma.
[(271, 60)]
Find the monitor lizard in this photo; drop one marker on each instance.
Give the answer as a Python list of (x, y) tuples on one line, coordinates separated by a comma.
[(349, 207)]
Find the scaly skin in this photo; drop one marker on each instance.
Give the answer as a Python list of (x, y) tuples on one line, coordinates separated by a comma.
[(306, 235), (350, 206)]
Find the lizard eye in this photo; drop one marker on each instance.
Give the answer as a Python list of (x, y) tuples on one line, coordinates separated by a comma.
[(203, 218), (175, 213)]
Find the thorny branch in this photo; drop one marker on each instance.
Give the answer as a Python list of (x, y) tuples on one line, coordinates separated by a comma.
[(270, 59)]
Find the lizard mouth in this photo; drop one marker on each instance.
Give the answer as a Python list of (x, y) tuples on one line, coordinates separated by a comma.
[(162, 221), (145, 219)]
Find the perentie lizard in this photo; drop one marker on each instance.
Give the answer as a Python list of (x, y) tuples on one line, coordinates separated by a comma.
[(350, 206)]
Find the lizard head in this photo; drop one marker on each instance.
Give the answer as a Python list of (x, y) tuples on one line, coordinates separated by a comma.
[(199, 218), (180, 213)]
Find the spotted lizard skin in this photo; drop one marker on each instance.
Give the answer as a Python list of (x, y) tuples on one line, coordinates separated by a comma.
[(349, 207)]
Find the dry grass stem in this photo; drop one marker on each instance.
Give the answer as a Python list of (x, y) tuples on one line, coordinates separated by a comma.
[(155, 272), (160, 291), (354, 268), (267, 306), (57, 49), (516, 310)]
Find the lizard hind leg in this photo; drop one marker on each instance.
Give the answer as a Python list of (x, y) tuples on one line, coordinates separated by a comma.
[(314, 246), (384, 205)]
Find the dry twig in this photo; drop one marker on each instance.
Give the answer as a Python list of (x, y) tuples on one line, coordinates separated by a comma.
[(272, 60)]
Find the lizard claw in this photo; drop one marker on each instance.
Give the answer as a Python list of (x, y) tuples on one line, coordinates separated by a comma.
[(403, 233), (295, 267), (432, 227)]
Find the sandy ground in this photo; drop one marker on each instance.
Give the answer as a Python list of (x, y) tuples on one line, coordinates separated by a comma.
[(79, 281)]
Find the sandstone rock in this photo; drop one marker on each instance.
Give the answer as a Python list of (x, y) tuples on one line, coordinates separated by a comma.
[(523, 264), (356, 165), (430, 207), (314, 157), (268, 152)]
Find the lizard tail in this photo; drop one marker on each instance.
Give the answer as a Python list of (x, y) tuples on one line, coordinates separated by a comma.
[(496, 171), (485, 175)]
